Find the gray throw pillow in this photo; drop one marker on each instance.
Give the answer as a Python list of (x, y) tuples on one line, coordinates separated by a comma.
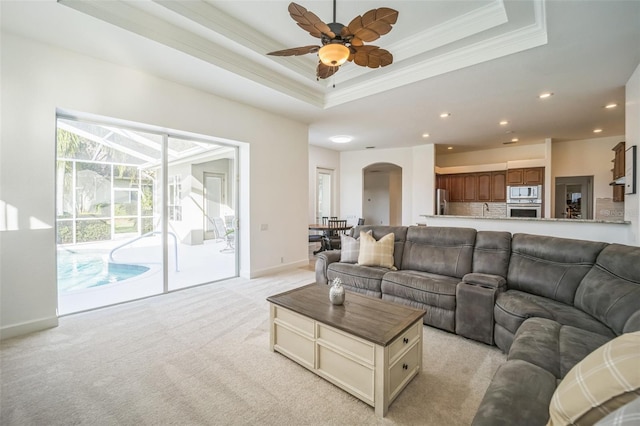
[(349, 249)]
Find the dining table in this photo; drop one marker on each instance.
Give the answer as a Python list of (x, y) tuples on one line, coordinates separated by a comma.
[(326, 233)]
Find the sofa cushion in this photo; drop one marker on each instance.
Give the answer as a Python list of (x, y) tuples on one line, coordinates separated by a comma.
[(611, 290), (604, 381), (518, 394), (361, 279), (553, 346), (491, 253), (439, 250), (376, 253), (549, 266), (434, 293), (514, 307), (349, 249)]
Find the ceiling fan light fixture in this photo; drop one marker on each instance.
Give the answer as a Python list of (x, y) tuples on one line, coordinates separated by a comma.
[(334, 54)]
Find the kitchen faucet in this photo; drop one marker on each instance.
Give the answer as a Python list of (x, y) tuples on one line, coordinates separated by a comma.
[(485, 205)]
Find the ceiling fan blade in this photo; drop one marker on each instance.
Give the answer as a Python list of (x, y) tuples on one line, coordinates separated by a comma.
[(373, 24), (295, 51), (371, 56), (324, 71), (309, 22)]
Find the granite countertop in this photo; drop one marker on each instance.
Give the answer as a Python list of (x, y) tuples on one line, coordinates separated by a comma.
[(616, 222)]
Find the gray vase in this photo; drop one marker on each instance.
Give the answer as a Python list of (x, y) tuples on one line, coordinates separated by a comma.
[(336, 293)]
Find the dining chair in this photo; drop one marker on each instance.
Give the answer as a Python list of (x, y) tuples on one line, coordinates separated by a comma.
[(361, 221), (334, 234)]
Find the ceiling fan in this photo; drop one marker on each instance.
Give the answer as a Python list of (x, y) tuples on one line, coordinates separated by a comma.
[(342, 43)]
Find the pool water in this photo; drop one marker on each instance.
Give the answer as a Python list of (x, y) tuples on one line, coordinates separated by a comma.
[(78, 270)]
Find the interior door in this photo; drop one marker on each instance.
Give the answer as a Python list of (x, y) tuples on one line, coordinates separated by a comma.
[(574, 197), (324, 193), (214, 199)]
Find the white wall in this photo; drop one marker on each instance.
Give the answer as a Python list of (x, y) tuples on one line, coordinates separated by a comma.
[(417, 165), (36, 79), (326, 159), (492, 156), (632, 131), (586, 157), (376, 199)]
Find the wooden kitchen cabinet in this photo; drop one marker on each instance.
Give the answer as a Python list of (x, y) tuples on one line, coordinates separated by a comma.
[(499, 186), (475, 187), (484, 186), (470, 184), (527, 176), (456, 188), (618, 171), (442, 182), (618, 161)]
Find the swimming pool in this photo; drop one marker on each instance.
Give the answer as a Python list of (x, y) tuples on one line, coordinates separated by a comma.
[(81, 270)]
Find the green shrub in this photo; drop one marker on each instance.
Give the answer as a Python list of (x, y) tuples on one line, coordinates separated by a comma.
[(92, 230)]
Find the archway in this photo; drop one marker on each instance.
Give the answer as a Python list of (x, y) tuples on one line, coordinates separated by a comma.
[(382, 194)]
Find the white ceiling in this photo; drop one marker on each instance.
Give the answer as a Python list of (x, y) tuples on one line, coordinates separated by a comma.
[(482, 60)]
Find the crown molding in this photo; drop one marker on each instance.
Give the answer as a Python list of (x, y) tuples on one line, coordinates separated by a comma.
[(226, 42), (523, 38), (133, 19)]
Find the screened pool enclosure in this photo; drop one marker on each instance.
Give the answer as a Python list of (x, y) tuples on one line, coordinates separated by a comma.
[(140, 212)]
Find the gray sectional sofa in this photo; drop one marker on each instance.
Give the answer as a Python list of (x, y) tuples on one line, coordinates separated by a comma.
[(547, 302)]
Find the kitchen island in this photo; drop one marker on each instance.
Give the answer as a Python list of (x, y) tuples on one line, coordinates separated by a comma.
[(580, 229)]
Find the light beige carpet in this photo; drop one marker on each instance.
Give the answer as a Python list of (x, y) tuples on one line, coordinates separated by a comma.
[(201, 357)]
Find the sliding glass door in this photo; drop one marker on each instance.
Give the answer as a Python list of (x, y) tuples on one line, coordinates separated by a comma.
[(133, 217)]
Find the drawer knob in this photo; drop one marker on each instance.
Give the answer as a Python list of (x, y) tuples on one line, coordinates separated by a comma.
[(405, 366), (405, 340)]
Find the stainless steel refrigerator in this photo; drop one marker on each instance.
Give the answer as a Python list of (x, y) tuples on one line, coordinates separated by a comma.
[(442, 202)]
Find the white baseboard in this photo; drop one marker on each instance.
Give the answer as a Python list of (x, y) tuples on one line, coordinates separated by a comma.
[(278, 268), (10, 331)]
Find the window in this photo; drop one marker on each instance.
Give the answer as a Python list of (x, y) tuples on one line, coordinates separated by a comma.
[(175, 204)]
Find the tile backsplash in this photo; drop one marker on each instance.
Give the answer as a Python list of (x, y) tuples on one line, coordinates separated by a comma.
[(475, 209)]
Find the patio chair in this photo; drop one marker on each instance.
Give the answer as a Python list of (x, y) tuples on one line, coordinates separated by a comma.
[(223, 233)]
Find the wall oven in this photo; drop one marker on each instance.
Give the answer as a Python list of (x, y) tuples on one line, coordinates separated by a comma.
[(530, 210)]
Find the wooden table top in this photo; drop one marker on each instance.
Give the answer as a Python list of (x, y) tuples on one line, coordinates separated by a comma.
[(375, 320)]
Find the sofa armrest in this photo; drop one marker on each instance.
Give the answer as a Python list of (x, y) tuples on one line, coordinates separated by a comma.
[(475, 300), (485, 280), (323, 261), (519, 394)]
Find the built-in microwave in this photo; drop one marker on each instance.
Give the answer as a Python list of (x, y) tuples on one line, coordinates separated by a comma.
[(524, 194)]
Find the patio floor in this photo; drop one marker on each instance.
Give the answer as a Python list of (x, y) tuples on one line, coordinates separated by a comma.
[(197, 264)]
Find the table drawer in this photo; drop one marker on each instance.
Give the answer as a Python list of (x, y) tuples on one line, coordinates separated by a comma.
[(403, 370), (407, 339), (346, 343), (295, 321), (294, 345)]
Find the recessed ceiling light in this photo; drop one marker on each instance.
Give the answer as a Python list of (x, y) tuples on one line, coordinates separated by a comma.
[(341, 139), (514, 140), (504, 122), (545, 95), (609, 106), (425, 135), (445, 114), (449, 147), (597, 130)]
